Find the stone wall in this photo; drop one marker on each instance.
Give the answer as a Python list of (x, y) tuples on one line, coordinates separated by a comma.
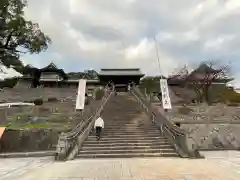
[(28, 140), (202, 112), (211, 127), (214, 136), (22, 94)]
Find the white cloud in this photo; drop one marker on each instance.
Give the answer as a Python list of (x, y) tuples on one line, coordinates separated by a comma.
[(113, 33)]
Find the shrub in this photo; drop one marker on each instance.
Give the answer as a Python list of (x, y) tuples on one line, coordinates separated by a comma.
[(184, 110), (178, 124), (52, 99), (38, 102), (28, 101), (233, 104), (99, 94)]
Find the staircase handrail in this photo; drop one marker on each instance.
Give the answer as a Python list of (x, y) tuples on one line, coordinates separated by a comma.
[(84, 133), (74, 132), (67, 141), (177, 136)]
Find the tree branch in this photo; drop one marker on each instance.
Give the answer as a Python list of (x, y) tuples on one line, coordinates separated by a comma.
[(8, 39)]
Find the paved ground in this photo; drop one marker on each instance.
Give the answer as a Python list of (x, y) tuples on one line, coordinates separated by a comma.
[(217, 166)]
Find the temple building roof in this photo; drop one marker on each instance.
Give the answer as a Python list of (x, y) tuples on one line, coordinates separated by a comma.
[(121, 72), (51, 68)]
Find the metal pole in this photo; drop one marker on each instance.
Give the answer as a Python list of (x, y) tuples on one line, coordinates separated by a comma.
[(159, 65)]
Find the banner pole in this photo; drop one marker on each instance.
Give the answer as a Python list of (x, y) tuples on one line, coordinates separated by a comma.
[(159, 64), (163, 84)]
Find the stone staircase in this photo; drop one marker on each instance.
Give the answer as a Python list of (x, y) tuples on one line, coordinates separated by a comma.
[(128, 133)]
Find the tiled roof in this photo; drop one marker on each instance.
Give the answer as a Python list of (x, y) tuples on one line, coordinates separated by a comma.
[(51, 66), (121, 72)]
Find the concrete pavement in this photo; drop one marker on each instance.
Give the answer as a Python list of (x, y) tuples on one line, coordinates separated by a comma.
[(217, 166)]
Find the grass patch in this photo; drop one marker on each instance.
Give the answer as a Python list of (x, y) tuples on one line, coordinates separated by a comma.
[(36, 126), (25, 126)]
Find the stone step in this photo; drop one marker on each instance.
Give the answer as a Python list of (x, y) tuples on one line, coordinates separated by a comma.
[(146, 123), (120, 134), (119, 115), (128, 155), (110, 141), (140, 138), (142, 135), (132, 127), (126, 131), (117, 112), (120, 118), (124, 151), (129, 131), (124, 141), (123, 147), (110, 144), (124, 126)]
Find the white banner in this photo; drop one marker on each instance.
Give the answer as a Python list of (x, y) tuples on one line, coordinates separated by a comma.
[(81, 94), (166, 101)]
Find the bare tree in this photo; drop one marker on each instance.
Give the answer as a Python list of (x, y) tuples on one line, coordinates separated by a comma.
[(202, 78)]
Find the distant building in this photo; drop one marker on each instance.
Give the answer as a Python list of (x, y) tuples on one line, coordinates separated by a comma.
[(51, 76), (120, 77), (184, 85), (202, 74)]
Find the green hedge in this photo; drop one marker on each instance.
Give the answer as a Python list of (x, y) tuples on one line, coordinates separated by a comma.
[(38, 102), (52, 99)]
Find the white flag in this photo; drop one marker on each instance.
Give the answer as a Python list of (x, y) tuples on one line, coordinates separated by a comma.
[(166, 102), (81, 94)]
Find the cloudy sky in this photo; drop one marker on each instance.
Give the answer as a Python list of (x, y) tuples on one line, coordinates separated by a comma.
[(120, 33)]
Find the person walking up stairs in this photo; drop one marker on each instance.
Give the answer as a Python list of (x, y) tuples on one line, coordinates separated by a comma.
[(99, 125)]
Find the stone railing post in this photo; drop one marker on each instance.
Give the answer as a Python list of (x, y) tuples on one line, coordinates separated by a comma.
[(62, 148)]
